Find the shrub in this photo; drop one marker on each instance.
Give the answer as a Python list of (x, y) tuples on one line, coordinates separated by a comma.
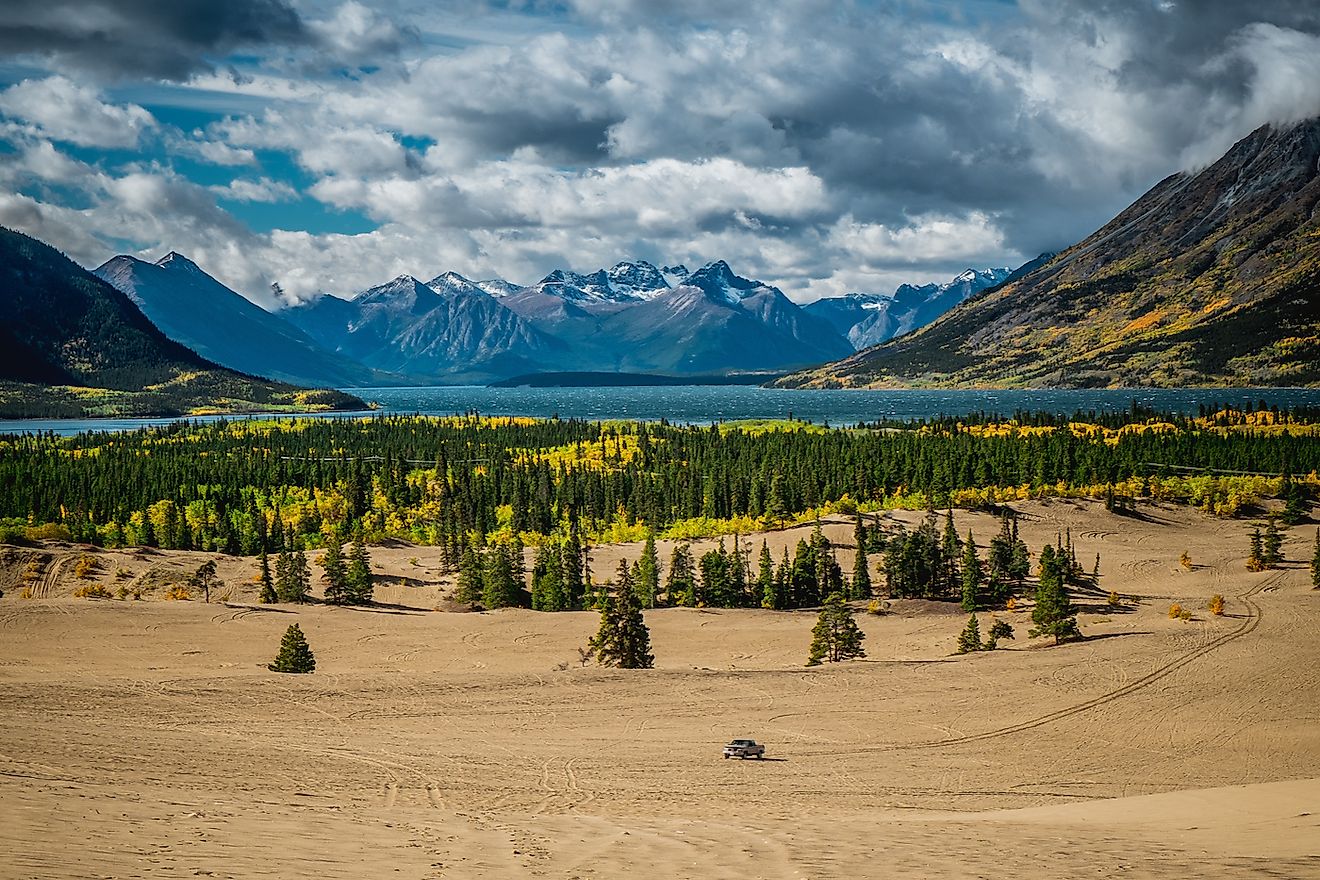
[(1114, 600), (84, 567), (1186, 560), (122, 574), (1185, 615), (91, 591), (178, 592), (48, 532), (1012, 603), (877, 606), (1216, 605), (1175, 611)]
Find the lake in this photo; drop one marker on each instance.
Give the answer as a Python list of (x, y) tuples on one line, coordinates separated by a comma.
[(703, 404)]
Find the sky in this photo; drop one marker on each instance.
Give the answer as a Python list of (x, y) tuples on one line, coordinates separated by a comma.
[(824, 147)]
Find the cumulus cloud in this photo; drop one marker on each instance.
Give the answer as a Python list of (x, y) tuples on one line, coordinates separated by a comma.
[(59, 108), (822, 146), (261, 190), (122, 38)]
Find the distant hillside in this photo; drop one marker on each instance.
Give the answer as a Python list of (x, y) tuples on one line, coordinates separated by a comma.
[(193, 308), (73, 345), (1211, 278)]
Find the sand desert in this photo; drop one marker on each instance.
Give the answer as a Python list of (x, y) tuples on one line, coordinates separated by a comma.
[(148, 739)]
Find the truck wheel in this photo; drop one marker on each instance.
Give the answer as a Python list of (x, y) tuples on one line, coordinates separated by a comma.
[(760, 756), (726, 757)]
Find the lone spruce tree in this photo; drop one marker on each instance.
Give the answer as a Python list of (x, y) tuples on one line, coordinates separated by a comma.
[(1053, 614), (295, 655), (836, 635), (623, 639)]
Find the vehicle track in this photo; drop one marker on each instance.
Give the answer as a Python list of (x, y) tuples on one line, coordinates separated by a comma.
[(1248, 624)]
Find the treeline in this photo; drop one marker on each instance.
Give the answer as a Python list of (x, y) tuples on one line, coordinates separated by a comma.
[(919, 563), (239, 487)]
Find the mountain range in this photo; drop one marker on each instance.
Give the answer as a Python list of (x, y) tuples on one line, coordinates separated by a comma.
[(73, 345), (633, 317), (1210, 278)]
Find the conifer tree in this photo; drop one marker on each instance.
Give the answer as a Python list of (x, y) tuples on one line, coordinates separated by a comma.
[(300, 577), (969, 639), (267, 595), (951, 548), (285, 587), (205, 578), (765, 578), (681, 585), (497, 587), (1315, 563), (295, 655), (359, 582), (623, 639), (648, 573), (1053, 614), (971, 575), (835, 636), (468, 589), (1255, 557), (1000, 630), (572, 568), (548, 581), (336, 575), (860, 588), (1271, 544)]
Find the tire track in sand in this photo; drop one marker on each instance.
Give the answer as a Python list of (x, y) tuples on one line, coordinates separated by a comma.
[(1248, 624)]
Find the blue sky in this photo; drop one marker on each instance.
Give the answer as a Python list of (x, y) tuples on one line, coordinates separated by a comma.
[(825, 147)]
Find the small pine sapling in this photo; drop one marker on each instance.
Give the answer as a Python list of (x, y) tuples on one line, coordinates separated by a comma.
[(969, 640)]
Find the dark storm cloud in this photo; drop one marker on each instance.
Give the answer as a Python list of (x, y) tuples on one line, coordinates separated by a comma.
[(126, 38)]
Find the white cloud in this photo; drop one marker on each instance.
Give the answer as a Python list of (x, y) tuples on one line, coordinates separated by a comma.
[(261, 190), (58, 108)]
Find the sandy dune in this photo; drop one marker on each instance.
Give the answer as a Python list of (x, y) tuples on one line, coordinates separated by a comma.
[(146, 739)]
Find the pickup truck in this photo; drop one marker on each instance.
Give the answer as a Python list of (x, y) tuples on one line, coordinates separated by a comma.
[(744, 748)]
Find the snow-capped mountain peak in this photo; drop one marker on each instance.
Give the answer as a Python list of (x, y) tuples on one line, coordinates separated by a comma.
[(720, 282), (627, 281), (637, 279), (453, 282), (177, 261)]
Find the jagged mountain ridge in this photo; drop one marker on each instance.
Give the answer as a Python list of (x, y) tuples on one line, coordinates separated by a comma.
[(450, 330), (193, 308), (869, 319), (1210, 278)]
